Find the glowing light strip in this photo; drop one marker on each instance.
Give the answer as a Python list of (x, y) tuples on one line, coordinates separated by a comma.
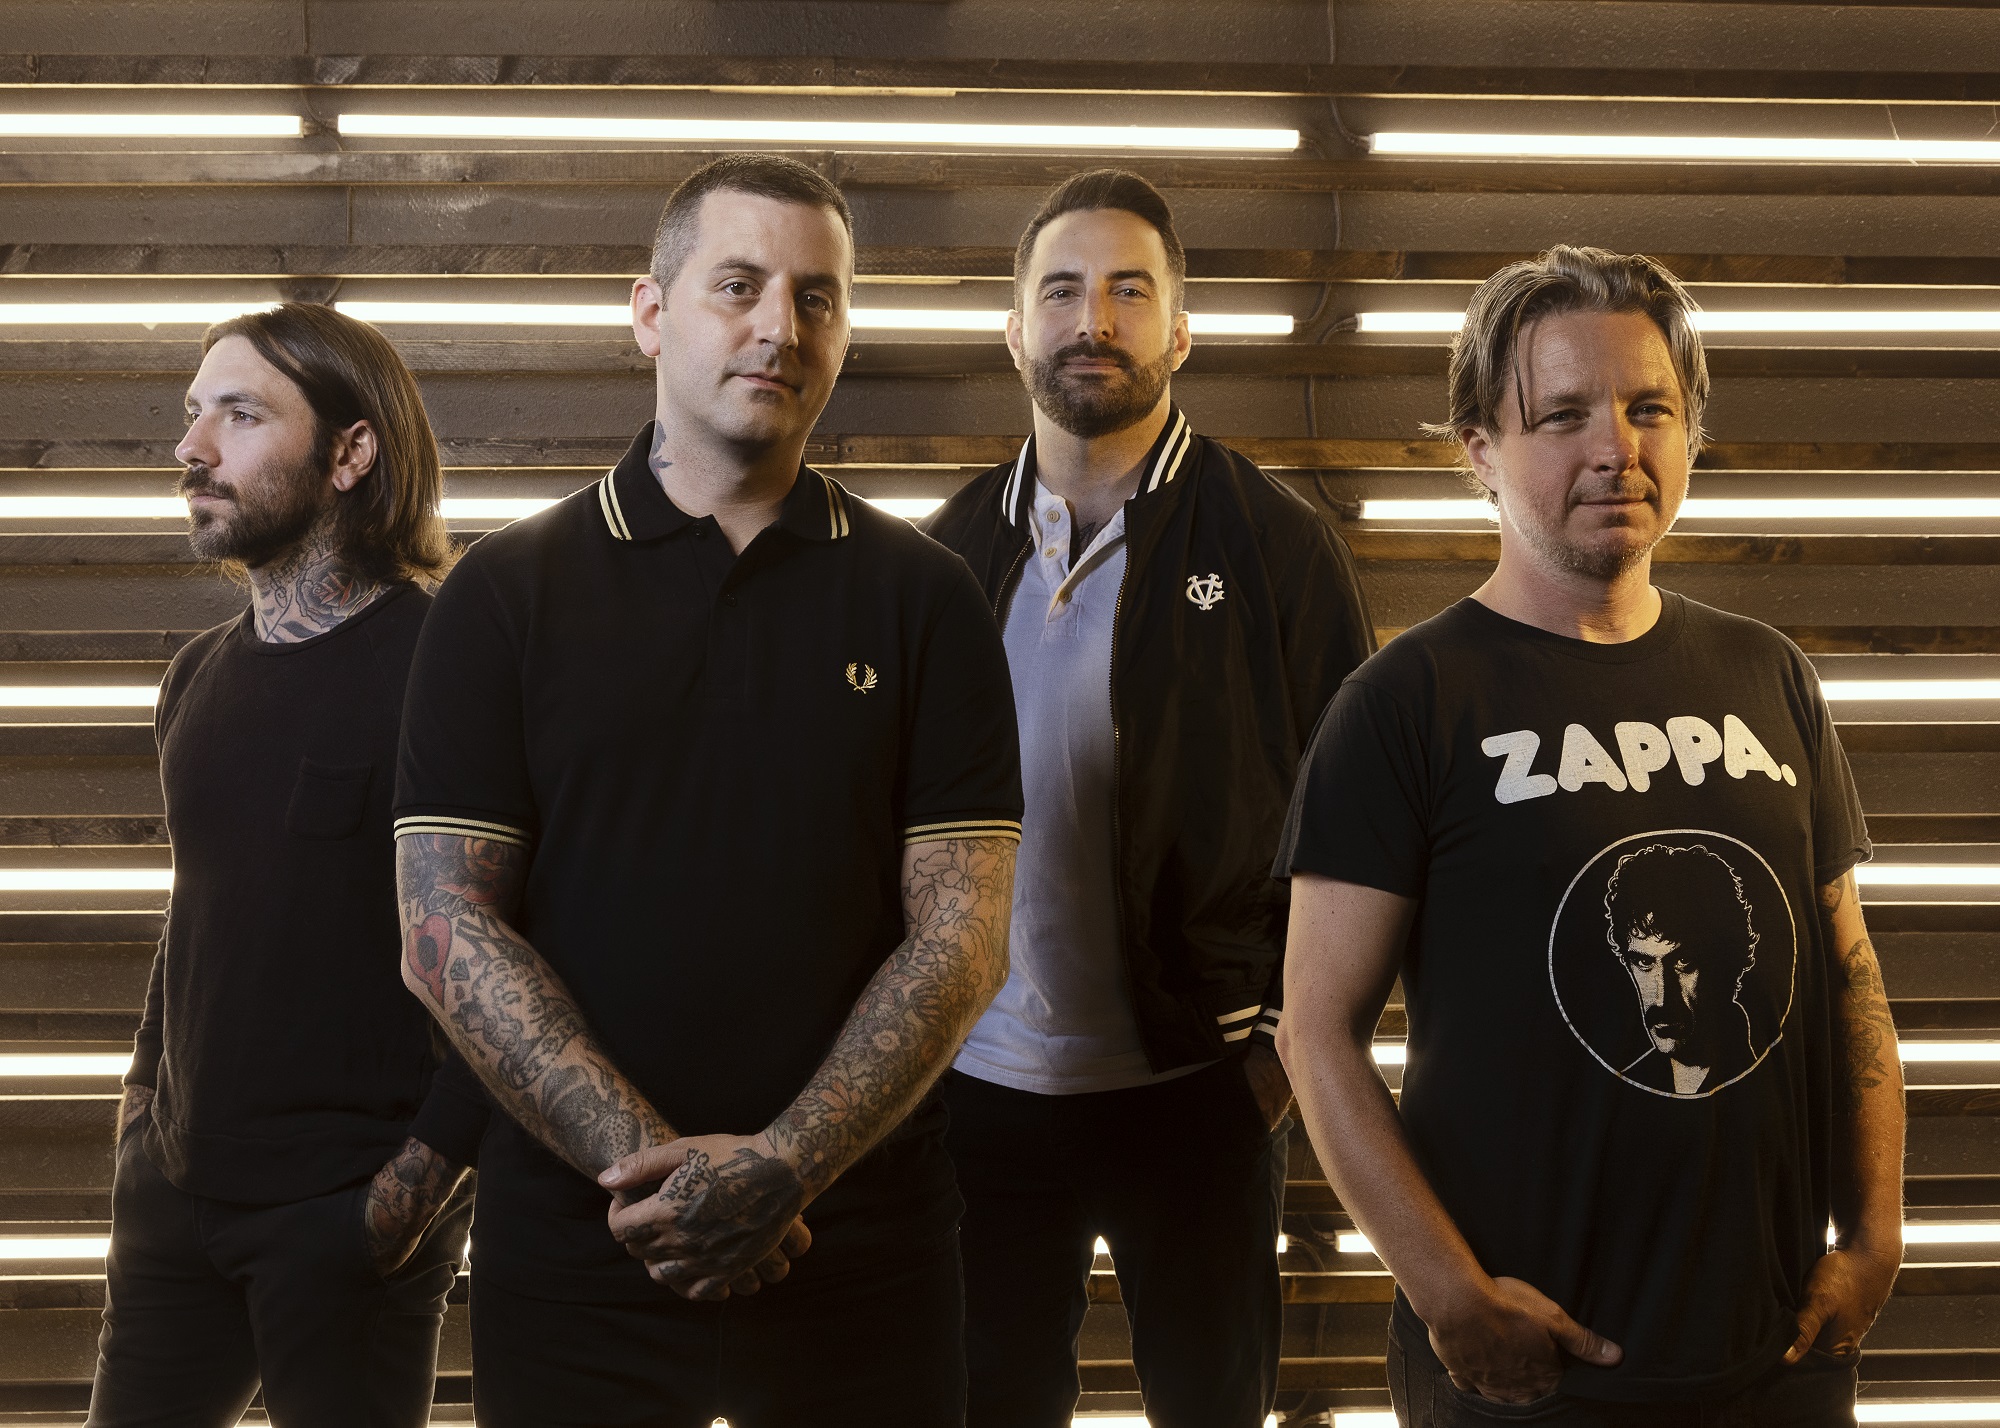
[(1877, 1412), (1921, 1232), (1365, 1418), (79, 696), (86, 879), (1976, 1051), (65, 1064), (1967, 875), (1900, 689), (1738, 148), (148, 126), (1726, 508), (804, 131), (1746, 320), (138, 314), (887, 319), (454, 508)]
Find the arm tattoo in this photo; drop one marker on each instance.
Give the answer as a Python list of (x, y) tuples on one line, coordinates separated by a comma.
[(728, 1214), (510, 1016), (404, 1198), (132, 1105), (914, 1012), (1869, 1056)]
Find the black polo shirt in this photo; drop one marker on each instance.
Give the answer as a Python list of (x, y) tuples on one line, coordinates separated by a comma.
[(716, 761)]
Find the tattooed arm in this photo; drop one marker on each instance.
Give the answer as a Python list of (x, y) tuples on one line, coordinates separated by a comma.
[(1849, 1284), (724, 1196), (403, 1199), (508, 1014), (132, 1104)]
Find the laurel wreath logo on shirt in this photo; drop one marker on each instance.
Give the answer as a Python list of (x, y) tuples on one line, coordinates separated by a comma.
[(1205, 592), (861, 677)]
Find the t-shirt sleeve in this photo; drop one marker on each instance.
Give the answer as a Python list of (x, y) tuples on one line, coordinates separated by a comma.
[(963, 770), (1360, 810), (1840, 831), (463, 769)]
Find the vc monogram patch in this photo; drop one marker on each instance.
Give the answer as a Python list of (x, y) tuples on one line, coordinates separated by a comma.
[(1205, 591), (861, 677)]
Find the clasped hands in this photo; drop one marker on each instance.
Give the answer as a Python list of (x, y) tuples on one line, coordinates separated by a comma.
[(709, 1215)]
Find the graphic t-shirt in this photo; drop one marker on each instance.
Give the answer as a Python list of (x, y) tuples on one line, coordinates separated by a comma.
[(1619, 1050)]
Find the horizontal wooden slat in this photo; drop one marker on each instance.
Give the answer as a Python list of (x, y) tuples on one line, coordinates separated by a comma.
[(1920, 1192), (1425, 545), (17, 831), (1315, 265), (1014, 75), (1953, 1100), (869, 357), (297, 165), (1912, 738), (94, 741), (1895, 639), (1934, 828)]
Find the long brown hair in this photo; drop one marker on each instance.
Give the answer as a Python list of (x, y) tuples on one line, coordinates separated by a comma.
[(389, 526)]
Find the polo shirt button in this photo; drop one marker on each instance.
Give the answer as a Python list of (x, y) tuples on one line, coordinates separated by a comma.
[(1054, 516), (729, 599), (1050, 552)]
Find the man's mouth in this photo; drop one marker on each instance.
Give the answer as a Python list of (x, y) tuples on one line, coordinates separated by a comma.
[(768, 381)]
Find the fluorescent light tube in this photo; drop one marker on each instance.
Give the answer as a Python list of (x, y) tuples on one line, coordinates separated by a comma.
[(800, 131), (1876, 1412), (1685, 146), (904, 319), (1904, 875), (141, 314), (1364, 1418), (150, 126), (54, 1246), (1976, 1051), (79, 696), (66, 1064), (1744, 320), (1901, 689), (1350, 1242), (910, 508), (86, 879), (1947, 1232), (1738, 508), (1389, 1053)]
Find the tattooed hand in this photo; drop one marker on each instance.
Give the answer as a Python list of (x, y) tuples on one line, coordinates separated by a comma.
[(724, 1220), (403, 1199), (132, 1104)]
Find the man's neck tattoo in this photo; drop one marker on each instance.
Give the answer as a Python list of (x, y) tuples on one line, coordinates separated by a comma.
[(1080, 536), (308, 590), (657, 458)]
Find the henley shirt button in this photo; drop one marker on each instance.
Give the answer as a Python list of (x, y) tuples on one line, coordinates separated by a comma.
[(1054, 516), (729, 599), (1050, 552)]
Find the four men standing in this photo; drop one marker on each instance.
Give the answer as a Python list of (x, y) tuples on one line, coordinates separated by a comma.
[(710, 786)]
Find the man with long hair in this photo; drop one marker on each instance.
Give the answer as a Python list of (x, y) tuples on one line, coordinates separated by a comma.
[(285, 1208)]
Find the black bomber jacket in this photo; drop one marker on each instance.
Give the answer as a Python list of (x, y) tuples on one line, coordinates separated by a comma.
[(1240, 614)]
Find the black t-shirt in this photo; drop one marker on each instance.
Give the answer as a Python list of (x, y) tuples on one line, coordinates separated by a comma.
[(289, 1059), (716, 761), (1618, 1076)]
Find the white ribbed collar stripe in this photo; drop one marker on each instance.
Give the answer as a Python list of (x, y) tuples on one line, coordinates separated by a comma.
[(1010, 493), (1172, 454), (607, 502), (1228, 1017), (837, 521)]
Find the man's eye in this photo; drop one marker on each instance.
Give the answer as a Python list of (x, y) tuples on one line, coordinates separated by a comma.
[(736, 288)]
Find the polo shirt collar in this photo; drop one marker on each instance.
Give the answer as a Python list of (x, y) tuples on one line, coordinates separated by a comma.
[(1162, 465), (636, 507)]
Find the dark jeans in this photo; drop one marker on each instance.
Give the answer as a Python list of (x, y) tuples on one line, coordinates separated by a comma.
[(203, 1300), (877, 1345), (1184, 1182), (1817, 1393)]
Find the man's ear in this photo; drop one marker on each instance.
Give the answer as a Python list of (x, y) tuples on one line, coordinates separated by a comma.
[(1183, 342), (1014, 336), (1479, 455), (649, 301), (354, 453)]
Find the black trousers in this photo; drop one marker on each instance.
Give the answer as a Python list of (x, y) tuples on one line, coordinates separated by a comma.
[(831, 1345), (1816, 1393), (204, 1300), (1184, 1182)]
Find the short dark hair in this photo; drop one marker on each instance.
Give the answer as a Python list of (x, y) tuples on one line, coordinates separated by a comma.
[(389, 527), (1688, 896), (1106, 188), (766, 175)]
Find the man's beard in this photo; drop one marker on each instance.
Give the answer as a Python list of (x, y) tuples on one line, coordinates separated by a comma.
[(260, 527), (1592, 562), (1097, 406)]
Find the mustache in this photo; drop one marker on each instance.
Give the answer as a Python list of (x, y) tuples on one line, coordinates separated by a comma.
[(1095, 351), (774, 371), (198, 480)]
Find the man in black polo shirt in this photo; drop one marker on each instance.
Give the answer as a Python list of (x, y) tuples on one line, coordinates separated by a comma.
[(707, 819), (1175, 620), (1606, 836)]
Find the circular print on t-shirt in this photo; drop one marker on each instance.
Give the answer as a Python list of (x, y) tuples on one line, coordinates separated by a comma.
[(1672, 958)]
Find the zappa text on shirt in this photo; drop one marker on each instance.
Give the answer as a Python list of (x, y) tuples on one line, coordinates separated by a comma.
[(1619, 1073)]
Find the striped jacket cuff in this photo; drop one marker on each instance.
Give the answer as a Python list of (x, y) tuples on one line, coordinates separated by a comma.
[(447, 826), (1238, 1024)]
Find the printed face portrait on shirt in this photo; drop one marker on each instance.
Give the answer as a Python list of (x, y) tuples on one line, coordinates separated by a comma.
[(1672, 959)]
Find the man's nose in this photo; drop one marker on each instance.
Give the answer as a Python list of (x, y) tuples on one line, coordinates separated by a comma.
[(1094, 318), (1619, 450), (777, 317), (195, 447)]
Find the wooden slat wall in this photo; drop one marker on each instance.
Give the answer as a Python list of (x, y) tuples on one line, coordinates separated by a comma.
[(1322, 235)]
